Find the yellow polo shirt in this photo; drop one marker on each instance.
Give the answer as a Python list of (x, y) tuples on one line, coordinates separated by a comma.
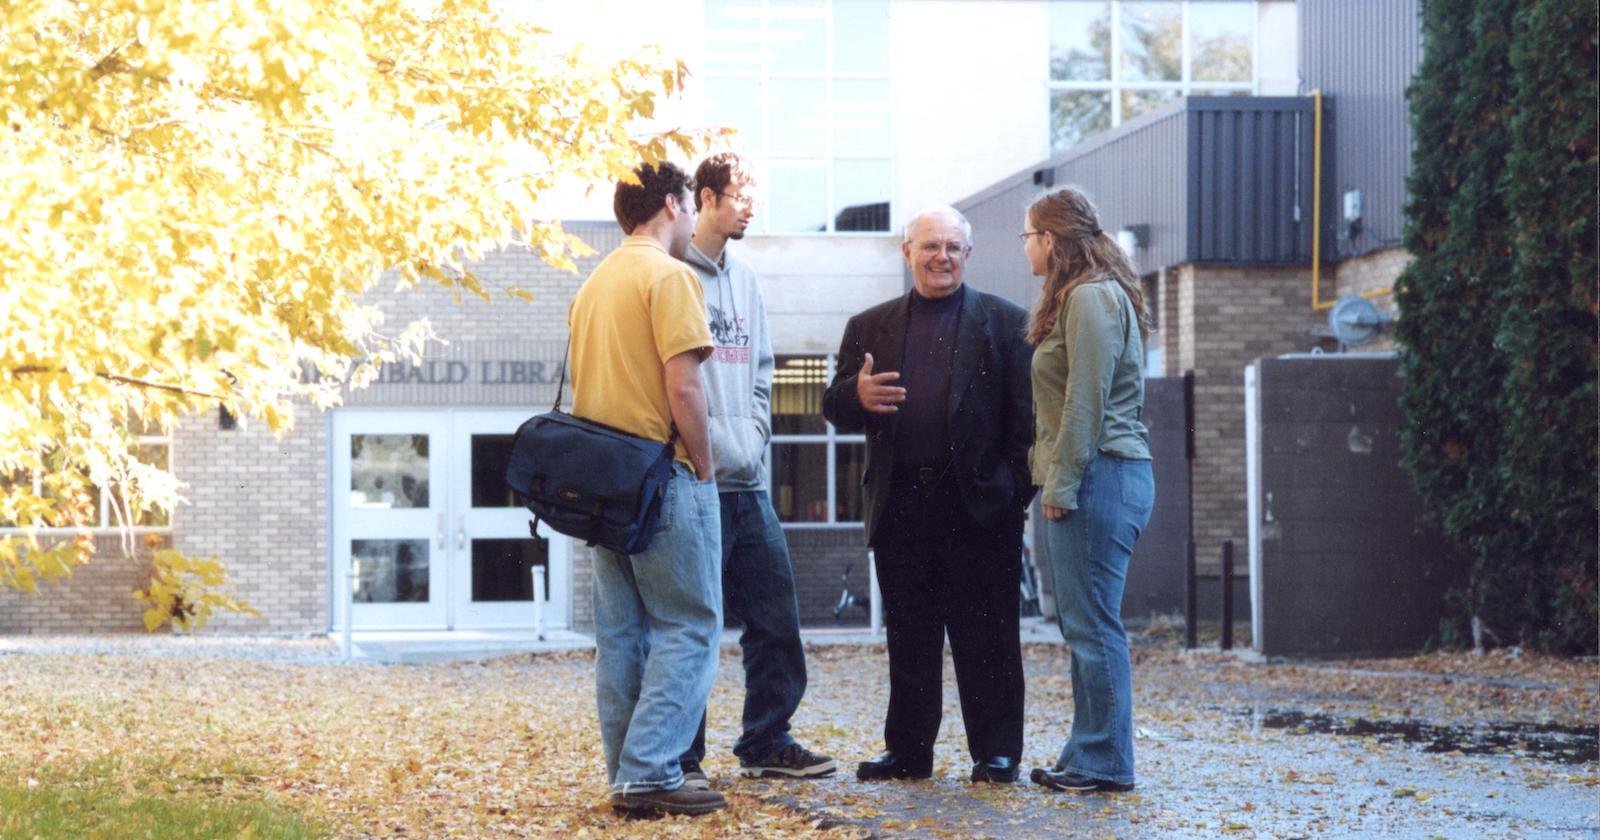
[(639, 308)]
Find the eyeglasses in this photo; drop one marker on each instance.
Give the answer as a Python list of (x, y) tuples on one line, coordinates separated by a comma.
[(1027, 233), (744, 201), (952, 250)]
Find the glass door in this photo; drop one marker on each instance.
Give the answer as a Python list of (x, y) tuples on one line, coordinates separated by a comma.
[(496, 558), (389, 517)]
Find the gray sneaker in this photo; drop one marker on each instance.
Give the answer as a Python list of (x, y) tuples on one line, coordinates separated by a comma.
[(684, 800), (694, 778), (791, 761)]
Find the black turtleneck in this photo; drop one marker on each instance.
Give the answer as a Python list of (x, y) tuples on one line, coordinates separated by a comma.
[(923, 435)]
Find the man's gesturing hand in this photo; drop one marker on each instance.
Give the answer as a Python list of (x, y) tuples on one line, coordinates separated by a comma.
[(875, 396)]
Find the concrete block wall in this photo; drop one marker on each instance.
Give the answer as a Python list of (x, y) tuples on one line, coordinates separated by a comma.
[(98, 598), (1219, 319), (1347, 563)]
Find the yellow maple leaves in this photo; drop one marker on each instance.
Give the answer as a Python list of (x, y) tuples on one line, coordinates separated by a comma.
[(199, 192)]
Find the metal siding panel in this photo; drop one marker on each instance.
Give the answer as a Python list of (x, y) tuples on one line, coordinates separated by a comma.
[(1365, 54)]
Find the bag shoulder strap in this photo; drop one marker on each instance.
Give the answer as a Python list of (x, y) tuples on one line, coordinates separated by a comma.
[(561, 389)]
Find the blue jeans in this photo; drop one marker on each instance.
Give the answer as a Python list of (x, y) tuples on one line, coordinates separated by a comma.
[(759, 583), (657, 621), (1089, 550)]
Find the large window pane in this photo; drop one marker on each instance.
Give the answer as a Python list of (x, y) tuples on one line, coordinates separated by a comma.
[(799, 117), (1080, 41), (861, 36), (389, 571), (797, 201), (797, 36), (800, 481), (797, 386), (490, 454), (733, 36), (1139, 102), (861, 117), (736, 103), (389, 471), (1220, 38), (849, 462), (1076, 114), (1152, 41), (502, 570), (861, 195)]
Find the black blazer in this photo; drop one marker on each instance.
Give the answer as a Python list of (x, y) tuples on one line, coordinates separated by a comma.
[(990, 412)]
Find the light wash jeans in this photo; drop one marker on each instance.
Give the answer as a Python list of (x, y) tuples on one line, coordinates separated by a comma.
[(658, 621), (1089, 550)]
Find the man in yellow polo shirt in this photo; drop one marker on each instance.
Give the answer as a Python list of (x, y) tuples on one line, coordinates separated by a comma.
[(638, 336)]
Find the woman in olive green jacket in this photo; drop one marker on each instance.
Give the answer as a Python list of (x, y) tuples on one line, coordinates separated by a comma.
[(1091, 457)]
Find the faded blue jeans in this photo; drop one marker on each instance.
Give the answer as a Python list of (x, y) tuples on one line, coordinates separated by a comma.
[(1089, 550), (759, 582), (657, 623)]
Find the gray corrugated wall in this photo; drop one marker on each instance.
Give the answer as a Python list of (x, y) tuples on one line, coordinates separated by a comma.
[(1364, 53), (1134, 173), (1220, 180), (1250, 186)]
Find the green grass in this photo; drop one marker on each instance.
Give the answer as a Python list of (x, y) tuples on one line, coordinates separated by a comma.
[(94, 813)]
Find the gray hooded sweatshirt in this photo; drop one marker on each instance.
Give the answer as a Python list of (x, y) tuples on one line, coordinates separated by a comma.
[(738, 376)]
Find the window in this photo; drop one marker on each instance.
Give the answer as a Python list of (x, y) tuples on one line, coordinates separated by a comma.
[(106, 505), (1113, 61), (816, 471), (806, 83)]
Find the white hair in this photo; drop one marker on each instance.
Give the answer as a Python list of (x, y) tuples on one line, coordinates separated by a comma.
[(938, 210)]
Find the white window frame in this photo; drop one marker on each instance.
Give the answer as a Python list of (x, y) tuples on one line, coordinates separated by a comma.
[(107, 523), (1116, 86), (829, 441), (827, 76)]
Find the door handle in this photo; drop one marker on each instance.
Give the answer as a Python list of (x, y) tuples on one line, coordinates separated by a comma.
[(438, 535), (461, 532)]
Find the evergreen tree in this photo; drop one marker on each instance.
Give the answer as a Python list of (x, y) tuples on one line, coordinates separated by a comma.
[(1549, 458), (1450, 297), (1497, 311)]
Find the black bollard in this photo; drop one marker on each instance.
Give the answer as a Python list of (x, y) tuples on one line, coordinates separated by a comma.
[(1190, 619), (1227, 595)]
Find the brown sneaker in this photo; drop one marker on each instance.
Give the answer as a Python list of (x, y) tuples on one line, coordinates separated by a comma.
[(681, 801)]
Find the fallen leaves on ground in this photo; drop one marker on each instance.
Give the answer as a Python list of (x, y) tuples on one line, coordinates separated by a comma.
[(510, 748)]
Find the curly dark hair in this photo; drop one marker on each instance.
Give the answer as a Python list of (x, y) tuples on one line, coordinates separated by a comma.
[(635, 204)]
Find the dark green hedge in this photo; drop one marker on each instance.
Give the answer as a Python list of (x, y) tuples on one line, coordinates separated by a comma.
[(1498, 312)]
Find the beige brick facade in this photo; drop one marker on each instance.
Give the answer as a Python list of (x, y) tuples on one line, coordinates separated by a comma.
[(261, 503), (1374, 274), (98, 598), (1214, 321)]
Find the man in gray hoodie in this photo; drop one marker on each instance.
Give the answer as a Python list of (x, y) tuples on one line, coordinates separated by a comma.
[(757, 579)]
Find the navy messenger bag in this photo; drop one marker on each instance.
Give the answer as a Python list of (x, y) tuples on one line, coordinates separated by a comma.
[(588, 480)]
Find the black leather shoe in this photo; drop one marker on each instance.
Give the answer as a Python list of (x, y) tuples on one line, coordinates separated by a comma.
[(999, 769), (1064, 780), (891, 766)]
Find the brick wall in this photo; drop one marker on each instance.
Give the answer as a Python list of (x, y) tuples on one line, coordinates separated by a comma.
[(818, 556), (1224, 318), (98, 598)]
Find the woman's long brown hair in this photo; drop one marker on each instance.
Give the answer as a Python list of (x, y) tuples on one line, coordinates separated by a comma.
[(1082, 253)]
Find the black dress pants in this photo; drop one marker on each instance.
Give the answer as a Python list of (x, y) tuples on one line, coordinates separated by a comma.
[(939, 572)]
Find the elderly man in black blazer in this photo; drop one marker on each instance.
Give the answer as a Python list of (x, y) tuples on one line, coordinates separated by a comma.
[(940, 381)]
